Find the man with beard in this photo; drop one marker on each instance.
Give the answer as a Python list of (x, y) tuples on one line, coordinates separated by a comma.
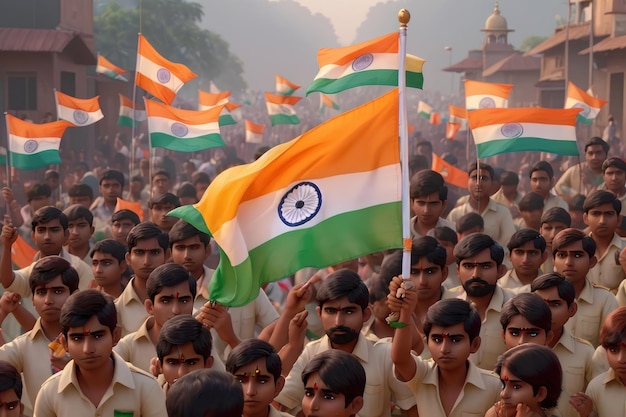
[(479, 265), (343, 301)]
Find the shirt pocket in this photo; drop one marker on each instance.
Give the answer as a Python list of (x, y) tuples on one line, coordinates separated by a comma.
[(589, 327)]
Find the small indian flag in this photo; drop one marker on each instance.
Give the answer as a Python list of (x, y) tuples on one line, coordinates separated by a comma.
[(424, 109), (450, 173), (374, 62), (207, 101), (482, 95), (127, 116), (33, 146), (452, 129), (183, 130), (498, 131), (158, 76), (435, 118), (326, 101), (108, 69), (134, 206), (590, 105), (254, 132), (458, 115), (280, 109), (79, 111), (316, 200), (284, 87)]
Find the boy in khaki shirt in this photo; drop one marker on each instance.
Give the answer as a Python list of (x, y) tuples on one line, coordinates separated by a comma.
[(454, 386), (97, 381)]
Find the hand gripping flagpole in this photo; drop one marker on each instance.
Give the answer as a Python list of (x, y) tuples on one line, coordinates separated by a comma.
[(403, 17)]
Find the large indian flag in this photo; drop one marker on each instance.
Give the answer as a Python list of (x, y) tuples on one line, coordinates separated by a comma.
[(107, 68), (78, 111), (498, 131), (281, 110), (590, 105), (317, 200), (183, 130), (207, 101), (482, 95), (284, 87), (33, 146), (157, 75), (130, 113), (374, 62)]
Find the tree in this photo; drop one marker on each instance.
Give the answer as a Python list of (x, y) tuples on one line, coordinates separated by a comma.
[(530, 42), (171, 26)]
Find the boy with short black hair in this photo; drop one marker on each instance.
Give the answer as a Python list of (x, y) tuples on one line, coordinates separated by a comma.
[(526, 318), (10, 390), (170, 291), (206, 393), (469, 223), (80, 226), (552, 222), (530, 207), (158, 207), (575, 355), (429, 195), (574, 256), (452, 329), (101, 382), (51, 282), (602, 215), (184, 345), (148, 248), (257, 366), (81, 194), (122, 222), (334, 385), (527, 251), (103, 207), (541, 182), (108, 262)]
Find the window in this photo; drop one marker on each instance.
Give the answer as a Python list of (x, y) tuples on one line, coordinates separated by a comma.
[(22, 92)]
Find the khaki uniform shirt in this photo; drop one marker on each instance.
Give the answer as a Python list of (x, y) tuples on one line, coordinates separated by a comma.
[(570, 182), (621, 294), (608, 394), (594, 304), (554, 201), (131, 310), (607, 272), (498, 220), (480, 391), (440, 223), (575, 356), (511, 282), (131, 391), (381, 386)]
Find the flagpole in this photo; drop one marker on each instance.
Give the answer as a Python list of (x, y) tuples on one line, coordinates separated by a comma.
[(6, 120), (403, 17), (131, 164)]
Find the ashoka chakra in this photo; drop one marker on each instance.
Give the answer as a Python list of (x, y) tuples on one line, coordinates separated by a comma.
[(300, 204)]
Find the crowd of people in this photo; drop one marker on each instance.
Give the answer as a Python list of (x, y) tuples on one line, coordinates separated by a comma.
[(515, 304)]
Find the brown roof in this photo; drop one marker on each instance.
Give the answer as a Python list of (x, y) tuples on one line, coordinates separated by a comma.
[(575, 32), (48, 40), (608, 44), (514, 62), (469, 63)]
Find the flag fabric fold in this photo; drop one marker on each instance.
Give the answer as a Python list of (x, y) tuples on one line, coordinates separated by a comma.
[(254, 132), (317, 200), (498, 131), (207, 101), (451, 174), (108, 69), (590, 105), (157, 75), (326, 101), (78, 111), (33, 146), (281, 110), (284, 87), (482, 95), (22, 254), (183, 130), (127, 115), (458, 115), (374, 62)]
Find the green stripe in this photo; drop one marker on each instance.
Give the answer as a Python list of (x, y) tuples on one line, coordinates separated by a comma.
[(494, 147), (372, 77), (337, 239), (424, 115), (35, 160), (283, 119), (162, 140), (226, 119), (583, 120), (192, 216), (126, 121), (3, 160), (289, 92)]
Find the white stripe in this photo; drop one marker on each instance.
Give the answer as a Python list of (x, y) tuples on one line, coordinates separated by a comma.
[(149, 69), (533, 130), (163, 125), (140, 115), (473, 102), (67, 113), (593, 111), (252, 137), (276, 109), (16, 144), (258, 219), (423, 107), (382, 61)]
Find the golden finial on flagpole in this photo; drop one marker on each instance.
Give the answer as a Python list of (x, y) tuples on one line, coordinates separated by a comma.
[(403, 17)]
